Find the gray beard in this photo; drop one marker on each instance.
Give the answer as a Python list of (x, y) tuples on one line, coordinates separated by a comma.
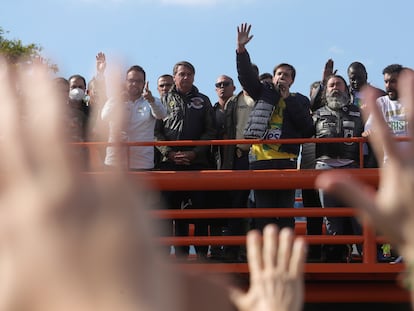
[(336, 103)]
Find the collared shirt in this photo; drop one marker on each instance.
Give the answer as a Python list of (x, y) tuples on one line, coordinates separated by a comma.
[(138, 125)]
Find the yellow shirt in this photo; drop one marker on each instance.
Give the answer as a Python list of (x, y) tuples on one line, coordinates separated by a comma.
[(271, 151)]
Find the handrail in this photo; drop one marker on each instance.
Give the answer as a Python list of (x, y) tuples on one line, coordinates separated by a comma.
[(369, 270), (243, 179)]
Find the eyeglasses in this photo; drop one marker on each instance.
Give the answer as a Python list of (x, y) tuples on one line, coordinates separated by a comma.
[(132, 81), (165, 85), (222, 84)]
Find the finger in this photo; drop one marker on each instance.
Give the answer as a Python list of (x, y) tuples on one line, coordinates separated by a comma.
[(46, 115), (11, 146), (146, 88), (254, 253), (380, 138), (270, 245), (297, 260), (285, 249), (118, 115), (352, 192)]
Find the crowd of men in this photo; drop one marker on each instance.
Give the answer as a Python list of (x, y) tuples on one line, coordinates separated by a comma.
[(265, 108), (69, 241)]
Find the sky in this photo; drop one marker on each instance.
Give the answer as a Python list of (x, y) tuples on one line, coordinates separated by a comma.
[(156, 34)]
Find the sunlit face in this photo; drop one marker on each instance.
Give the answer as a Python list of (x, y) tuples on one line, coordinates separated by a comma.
[(283, 75), (164, 85), (336, 93), (334, 86), (224, 87), (357, 78), (391, 85), (135, 82), (184, 79), (75, 83)]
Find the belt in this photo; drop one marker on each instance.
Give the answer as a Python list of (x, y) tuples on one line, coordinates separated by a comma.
[(240, 152)]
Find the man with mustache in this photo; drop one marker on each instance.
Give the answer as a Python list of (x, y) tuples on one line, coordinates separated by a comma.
[(337, 118), (391, 107), (394, 114)]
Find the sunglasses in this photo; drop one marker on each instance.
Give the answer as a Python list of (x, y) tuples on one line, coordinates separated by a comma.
[(222, 84), (166, 85)]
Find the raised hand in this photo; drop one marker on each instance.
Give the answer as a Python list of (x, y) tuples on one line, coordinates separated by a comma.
[(100, 63), (69, 240), (276, 267), (328, 70), (243, 36), (147, 93)]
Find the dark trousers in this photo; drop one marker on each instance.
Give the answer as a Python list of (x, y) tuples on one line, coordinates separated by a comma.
[(186, 200), (230, 199), (310, 198), (274, 198)]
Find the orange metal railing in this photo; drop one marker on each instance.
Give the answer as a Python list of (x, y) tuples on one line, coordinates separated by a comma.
[(380, 277)]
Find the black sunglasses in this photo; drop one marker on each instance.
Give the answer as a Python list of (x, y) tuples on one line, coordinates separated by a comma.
[(166, 84), (222, 84)]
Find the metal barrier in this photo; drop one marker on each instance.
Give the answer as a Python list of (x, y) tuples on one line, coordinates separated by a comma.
[(367, 281)]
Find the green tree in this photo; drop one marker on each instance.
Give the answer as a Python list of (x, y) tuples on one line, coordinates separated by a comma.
[(17, 53)]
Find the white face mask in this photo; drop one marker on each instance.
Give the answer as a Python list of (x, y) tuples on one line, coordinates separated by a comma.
[(77, 94)]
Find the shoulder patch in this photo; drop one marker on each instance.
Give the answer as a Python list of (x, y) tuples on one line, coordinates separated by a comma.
[(355, 113)]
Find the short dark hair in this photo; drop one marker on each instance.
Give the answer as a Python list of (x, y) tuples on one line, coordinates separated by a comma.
[(185, 64), (357, 65), (265, 76), (166, 75), (315, 84), (286, 65), (78, 77), (394, 68), (137, 68)]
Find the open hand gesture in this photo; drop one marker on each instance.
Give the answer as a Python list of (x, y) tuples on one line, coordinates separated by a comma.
[(147, 94), (328, 70), (100, 63), (276, 267), (71, 240), (243, 36)]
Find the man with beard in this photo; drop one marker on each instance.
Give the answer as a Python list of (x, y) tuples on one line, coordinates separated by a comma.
[(357, 80), (395, 116), (337, 118), (390, 105)]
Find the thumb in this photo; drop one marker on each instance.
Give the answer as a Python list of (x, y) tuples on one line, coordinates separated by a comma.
[(237, 297), (351, 191)]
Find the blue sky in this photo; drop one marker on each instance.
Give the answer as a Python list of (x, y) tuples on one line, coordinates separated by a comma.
[(158, 33)]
